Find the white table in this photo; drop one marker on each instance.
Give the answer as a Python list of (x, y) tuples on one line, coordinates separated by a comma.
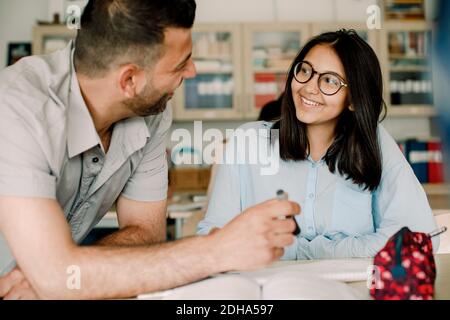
[(178, 212)]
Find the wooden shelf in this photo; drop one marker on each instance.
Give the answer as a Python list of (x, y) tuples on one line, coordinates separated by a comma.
[(405, 57), (271, 70), (190, 178), (411, 111), (410, 69), (230, 72), (213, 57), (437, 189)]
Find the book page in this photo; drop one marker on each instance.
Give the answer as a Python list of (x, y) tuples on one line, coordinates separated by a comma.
[(342, 270), (291, 285), (282, 280), (222, 287)]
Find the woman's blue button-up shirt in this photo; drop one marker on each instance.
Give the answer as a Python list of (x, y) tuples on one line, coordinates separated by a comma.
[(338, 219)]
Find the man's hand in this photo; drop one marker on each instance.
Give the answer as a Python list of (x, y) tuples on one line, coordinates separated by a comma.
[(256, 237), (14, 286)]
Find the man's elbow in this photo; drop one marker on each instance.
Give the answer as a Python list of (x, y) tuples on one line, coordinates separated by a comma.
[(59, 281), (50, 289)]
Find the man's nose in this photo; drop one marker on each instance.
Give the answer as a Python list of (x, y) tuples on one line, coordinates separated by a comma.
[(191, 71)]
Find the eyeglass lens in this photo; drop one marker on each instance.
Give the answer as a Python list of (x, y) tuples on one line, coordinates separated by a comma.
[(329, 83)]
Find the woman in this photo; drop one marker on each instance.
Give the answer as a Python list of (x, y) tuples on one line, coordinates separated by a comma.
[(354, 185)]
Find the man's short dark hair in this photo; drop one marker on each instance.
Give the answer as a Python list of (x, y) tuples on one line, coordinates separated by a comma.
[(115, 32)]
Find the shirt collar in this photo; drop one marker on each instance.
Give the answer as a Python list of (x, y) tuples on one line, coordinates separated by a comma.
[(81, 133), (130, 134), (318, 162)]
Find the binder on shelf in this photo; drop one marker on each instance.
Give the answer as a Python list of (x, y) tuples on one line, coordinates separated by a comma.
[(417, 157), (416, 154), (265, 88), (425, 158), (435, 164)]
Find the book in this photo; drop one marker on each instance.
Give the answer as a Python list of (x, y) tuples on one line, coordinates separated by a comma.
[(405, 10), (425, 158), (435, 164), (305, 280), (417, 155), (265, 88)]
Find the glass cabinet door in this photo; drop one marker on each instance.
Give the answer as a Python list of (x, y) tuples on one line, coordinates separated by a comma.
[(215, 92), (270, 51), (409, 69)]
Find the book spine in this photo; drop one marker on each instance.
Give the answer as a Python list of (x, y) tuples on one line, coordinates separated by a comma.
[(435, 164), (418, 158), (420, 44), (265, 89)]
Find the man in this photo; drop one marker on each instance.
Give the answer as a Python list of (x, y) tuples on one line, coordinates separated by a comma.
[(84, 128)]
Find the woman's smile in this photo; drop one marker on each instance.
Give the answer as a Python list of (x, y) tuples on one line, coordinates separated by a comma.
[(310, 103)]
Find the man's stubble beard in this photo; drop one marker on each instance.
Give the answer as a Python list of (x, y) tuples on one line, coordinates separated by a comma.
[(148, 103)]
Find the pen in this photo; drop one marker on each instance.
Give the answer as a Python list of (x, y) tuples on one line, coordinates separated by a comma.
[(437, 232), (281, 195)]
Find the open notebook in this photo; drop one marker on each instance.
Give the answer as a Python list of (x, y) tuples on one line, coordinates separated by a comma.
[(321, 280)]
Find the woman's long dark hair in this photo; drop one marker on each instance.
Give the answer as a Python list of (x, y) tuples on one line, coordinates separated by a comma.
[(355, 152)]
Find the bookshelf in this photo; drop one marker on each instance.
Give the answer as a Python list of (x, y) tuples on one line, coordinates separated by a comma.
[(216, 91), (50, 38), (405, 10), (407, 68), (269, 49), (241, 66)]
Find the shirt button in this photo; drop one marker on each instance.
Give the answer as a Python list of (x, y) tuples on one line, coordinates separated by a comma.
[(311, 195), (95, 160)]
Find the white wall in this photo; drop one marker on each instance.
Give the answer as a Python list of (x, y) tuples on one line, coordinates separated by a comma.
[(282, 10), (234, 10), (17, 18)]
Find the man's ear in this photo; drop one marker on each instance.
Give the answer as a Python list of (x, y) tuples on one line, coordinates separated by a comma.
[(130, 77)]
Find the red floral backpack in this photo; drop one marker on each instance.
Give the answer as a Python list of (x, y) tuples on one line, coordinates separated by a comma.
[(405, 269)]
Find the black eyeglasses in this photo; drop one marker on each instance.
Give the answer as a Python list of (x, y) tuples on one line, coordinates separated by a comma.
[(329, 82)]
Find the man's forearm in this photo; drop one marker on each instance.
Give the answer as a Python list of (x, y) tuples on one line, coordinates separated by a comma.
[(133, 236), (122, 272)]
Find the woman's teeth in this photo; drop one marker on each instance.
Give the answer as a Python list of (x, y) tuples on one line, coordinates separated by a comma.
[(310, 103)]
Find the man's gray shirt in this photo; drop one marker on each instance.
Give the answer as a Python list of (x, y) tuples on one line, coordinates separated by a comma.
[(49, 147)]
